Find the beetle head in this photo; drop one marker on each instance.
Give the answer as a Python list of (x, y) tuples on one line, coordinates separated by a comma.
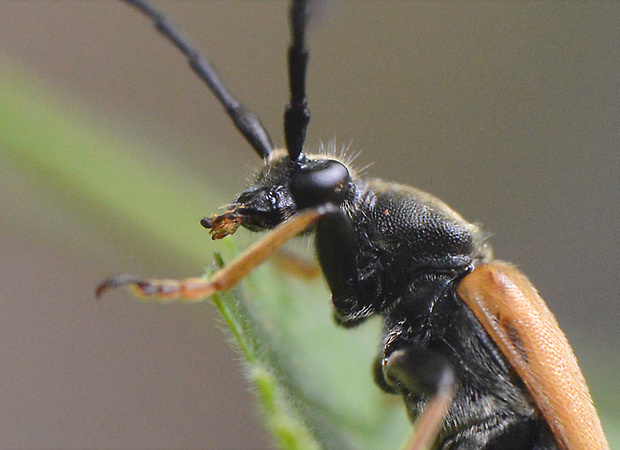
[(281, 188)]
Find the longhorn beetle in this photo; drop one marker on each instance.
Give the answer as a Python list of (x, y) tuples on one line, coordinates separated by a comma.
[(474, 351)]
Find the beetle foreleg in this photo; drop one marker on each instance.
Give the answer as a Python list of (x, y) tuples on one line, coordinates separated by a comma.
[(196, 289), (338, 250)]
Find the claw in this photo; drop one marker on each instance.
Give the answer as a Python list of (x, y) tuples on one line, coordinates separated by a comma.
[(190, 289), (114, 282)]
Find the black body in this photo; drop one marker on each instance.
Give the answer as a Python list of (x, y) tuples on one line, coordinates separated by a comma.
[(394, 251), (384, 249)]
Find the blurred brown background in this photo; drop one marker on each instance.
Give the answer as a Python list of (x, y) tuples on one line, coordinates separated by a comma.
[(508, 111)]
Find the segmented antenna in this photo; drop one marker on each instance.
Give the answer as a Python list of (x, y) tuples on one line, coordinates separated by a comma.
[(246, 122), (296, 115)]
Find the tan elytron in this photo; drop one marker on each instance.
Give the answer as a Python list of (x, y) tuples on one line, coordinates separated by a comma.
[(526, 331)]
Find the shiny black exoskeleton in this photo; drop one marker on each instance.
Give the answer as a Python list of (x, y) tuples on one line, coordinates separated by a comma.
[(392, 250)]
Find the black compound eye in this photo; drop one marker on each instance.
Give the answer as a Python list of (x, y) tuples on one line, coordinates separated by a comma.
[(319, 183)]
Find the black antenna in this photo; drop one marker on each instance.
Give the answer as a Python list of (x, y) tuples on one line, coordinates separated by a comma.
[(297, 116), (246, 122)]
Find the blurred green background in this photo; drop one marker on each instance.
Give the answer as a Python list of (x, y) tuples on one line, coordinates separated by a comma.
[(508, 111)]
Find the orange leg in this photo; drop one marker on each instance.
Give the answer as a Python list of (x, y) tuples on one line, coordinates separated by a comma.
[(422, 370), (428, 424), (296, 266), (197, 289)]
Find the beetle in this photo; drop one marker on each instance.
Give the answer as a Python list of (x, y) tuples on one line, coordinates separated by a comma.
[(477, 356)]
